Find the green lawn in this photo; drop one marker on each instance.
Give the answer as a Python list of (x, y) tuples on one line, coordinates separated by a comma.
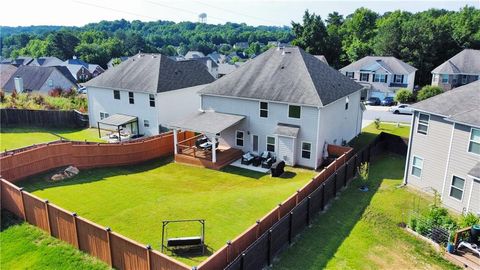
[(370, 132), (133, 200), (24, 246), (360, 230), (12, 138)]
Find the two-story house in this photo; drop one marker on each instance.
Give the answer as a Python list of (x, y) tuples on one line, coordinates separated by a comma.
[(284, 101), (81, 70), (381, 76), (444, 148), (151, 87), (461, 69)]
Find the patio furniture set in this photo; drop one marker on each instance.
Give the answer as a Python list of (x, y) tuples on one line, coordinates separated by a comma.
[(266, 159), (205, 143)]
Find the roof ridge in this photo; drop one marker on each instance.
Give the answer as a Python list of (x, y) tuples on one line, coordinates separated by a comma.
[(310, 75)]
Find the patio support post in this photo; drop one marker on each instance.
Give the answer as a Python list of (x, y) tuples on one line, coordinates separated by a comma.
[(214, 148), (98, 126), (175, 141)]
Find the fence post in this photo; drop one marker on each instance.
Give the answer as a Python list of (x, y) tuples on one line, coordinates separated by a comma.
[(258, 229), (296, 197), (229, 244), (269, 248), (242, 262), (308, 209), (323, 197), (279, 211), (149, 263), (23, 204), (290, 227), (74, 215), (335, 184), (48, 217), (108, 230), (345, 172)]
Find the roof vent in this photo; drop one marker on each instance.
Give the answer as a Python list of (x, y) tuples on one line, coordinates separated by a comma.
[(286, 52)]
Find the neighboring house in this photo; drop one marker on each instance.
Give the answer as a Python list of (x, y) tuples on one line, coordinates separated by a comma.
[(49, 61), (227, 68), (151, 87), (284, 101), (42, 79), (382, 76), (461, 69), (81, 70), (444, 148), (240, 45), (22, 61), (194, 54), (121, 58), (215, 57), (322, 58), (211, 65), (6, 72)]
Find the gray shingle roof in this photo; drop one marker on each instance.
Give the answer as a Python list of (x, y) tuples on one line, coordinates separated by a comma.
[(322, 58), (207, 122), (458, 105), (390, 63), (152, 73), (286, 130), (194, 54), (34, 77), (6, 71), (475, 171), (285, 75), (46, 61), (464, 62)]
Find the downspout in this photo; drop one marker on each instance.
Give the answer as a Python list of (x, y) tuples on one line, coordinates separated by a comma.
[(448, 162), (318, 138), (409, 150)]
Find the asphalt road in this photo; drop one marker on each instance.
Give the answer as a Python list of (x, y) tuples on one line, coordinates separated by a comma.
[(382, 112)]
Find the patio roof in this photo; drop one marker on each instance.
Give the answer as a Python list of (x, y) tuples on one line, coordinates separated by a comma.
[(207, 122), (475, 171), (287, 130), (118, 120)]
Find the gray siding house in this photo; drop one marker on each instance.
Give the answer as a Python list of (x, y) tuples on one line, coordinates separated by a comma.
[(461, 69), (444, 148), (42, 79), (286, 101)]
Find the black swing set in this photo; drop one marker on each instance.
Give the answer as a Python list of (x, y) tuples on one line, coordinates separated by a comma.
[(185, 244)]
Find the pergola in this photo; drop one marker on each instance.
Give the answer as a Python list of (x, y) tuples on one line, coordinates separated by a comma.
[(209, 123), (118, 120)]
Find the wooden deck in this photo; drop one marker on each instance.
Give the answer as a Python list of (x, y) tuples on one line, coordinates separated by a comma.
[(225, 156), (464, 259)]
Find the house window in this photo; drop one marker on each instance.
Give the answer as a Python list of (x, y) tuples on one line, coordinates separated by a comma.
[(347, 99), (350, 75), (50, 83), (152, 100), (103, 115), (380, 78), (270, 144), (264, 109), (306, 150), (294, 111), (364, 77), (146, 123), (474, 144), (422, 126), (239, 138), (444, 78), (456, 190), (417, 166), (116, 94), (131, 99), (398, 78), (464, 79)]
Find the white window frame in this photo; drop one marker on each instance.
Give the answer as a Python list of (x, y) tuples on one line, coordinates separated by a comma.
[(119, 95), (472, 141), (50, 83), (260, 109), (396, 77), (151, 97), (274, 144), (348, 73), (452, 186), (412, 165), (363, 73), (443, 81), (131, 100), (104, 115), (288, 112), (425, 124), (382, 78), (146, 123), (242, 139), (309, 151)]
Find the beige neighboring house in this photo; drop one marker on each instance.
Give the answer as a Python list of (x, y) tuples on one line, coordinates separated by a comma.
[(444, 148), (461, 69)]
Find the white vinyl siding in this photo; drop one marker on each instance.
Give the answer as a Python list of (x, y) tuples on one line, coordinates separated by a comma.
[(457, 187), (417, 166), (474, 143), (422, 126)]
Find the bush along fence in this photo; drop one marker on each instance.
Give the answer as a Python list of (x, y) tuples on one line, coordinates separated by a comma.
[(43, 118), (259, 244)]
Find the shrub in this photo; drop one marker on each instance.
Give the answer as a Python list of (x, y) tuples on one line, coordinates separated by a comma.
[(38, 99), (14, 94), (428, 91), (2, 96), (55, 92), (363, 173), (468, 220), (377, 123), (404, 96), (70, 93)]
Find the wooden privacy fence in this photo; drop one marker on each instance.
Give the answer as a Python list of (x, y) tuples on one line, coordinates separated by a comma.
[(21, 163), (43, 118), (259, 244)]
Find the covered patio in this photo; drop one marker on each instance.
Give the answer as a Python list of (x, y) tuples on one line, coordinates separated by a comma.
[(204, 149), (119, 122)]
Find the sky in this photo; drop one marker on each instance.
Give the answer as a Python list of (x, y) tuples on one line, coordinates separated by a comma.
[(259, 12)]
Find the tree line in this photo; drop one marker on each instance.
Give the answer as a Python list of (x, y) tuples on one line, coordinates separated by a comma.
[(423, 39)]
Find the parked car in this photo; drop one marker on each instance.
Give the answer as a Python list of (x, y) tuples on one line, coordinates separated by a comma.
[(402, 108), (388, 101), (373, 101)]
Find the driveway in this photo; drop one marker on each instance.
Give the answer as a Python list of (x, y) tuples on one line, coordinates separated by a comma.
[(382, 112)]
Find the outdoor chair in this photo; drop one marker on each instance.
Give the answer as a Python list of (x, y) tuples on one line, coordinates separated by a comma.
[(247, 158), (201, 141), (257, 161), (267, 164)]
